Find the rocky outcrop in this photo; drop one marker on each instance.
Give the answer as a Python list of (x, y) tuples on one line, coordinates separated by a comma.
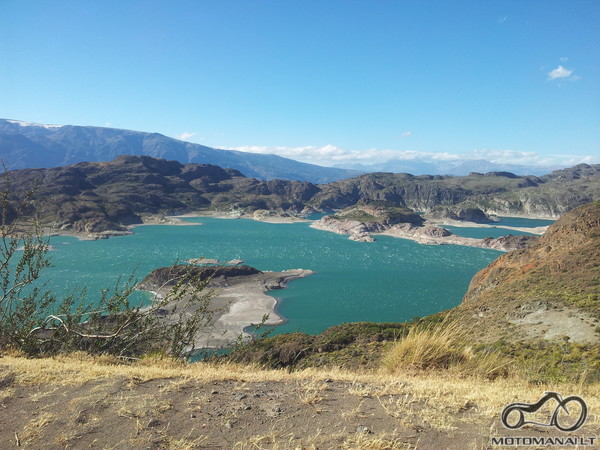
[(509, 242), (264, 215), (362, 220), (461, 213), (376, 220), (435, 235), (427, 234), (356, 229)]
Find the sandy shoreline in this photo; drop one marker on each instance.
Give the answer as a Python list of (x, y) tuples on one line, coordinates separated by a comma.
[(248, 303), (258, 215), (239, 302), (432, 240), (462, 224)]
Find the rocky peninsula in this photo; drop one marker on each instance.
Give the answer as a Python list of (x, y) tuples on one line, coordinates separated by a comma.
[(362, 222), (237, 298)]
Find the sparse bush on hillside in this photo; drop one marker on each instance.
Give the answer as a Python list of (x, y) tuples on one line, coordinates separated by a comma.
[(349, 345), (544, 361), (35, 321)]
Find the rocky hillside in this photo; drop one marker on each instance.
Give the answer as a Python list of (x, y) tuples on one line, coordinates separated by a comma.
[(550, 289), (97, 197), (469, 213), (499, 193)]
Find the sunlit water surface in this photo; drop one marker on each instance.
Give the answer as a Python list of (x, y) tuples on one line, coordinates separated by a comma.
[(387, 280)]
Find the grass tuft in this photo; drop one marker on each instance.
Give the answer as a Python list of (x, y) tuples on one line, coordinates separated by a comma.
[(443, 347)]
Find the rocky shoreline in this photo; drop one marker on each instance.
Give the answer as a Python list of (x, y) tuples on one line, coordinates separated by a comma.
[(258, 215), (426, 233)]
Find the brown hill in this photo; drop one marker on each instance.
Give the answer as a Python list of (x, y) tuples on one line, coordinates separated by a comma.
[(550, 289), (96, 197)]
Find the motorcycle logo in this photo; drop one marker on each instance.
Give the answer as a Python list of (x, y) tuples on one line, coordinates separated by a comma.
[(561, 418)]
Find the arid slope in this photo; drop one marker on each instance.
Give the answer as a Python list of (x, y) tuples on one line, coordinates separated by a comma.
[(550, 289)]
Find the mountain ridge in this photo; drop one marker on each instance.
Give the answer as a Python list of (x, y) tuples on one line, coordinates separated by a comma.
[(455, 167), (94, 197), (30, 145), (34, 145)]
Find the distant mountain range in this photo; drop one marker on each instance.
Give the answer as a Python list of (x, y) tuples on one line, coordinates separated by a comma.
[(29, 145), (456, 167), (25, 145)]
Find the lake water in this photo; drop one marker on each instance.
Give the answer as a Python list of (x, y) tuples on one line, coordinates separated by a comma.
[(388, 280)]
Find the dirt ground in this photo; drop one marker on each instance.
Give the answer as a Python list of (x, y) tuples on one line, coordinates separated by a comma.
[(315, 410)]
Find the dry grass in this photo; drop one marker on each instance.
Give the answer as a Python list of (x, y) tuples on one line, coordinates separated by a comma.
[(354, 413), (274, 440), (366, 389), (444, 347), (281, 441), (79, 369), (370, 442), (33, 429), (184, 443), (311, 391)]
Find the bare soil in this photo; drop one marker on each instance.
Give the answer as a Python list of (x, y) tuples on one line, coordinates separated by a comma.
[(124, 411)]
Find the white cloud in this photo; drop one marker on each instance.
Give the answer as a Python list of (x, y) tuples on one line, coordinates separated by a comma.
[(509, 157), (185, 136), (559, 72), (406, 134), (329, 155), (502, 19), (311, 153)]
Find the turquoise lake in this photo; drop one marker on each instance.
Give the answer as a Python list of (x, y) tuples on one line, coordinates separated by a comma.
[(388, 280)]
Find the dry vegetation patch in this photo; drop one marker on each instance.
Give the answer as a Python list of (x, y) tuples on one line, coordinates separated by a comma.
[(444, 346)]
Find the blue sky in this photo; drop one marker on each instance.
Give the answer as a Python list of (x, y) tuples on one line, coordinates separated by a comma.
[(322, 81)]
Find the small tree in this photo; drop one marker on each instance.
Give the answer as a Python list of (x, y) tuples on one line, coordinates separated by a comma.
[(35, 321)]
